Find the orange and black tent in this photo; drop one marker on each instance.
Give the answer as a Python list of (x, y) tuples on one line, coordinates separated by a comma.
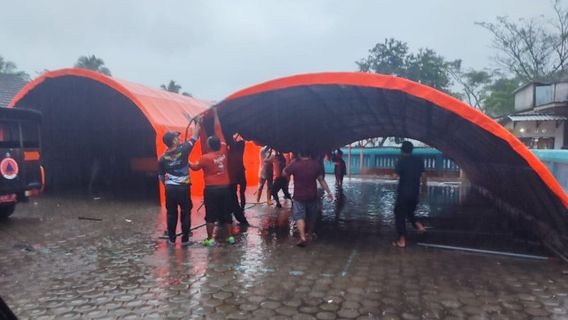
[(320, 112)]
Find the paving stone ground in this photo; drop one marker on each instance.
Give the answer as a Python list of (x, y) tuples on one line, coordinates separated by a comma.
[(54, 265)]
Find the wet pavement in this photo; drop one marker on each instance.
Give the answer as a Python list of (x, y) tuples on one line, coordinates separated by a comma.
[(111, 263)]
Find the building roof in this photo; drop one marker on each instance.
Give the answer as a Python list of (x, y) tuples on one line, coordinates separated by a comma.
[(532, 83), (10, 84)]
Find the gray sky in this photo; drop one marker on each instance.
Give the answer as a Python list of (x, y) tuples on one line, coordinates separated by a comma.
[(213, 48)]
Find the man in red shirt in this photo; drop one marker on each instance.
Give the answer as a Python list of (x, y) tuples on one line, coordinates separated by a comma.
[(305, 205), (218, 195)]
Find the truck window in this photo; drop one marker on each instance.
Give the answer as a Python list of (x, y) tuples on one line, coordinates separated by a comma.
[(30, 134), (9, 135)]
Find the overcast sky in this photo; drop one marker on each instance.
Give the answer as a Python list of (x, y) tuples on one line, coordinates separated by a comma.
[(213, 48)]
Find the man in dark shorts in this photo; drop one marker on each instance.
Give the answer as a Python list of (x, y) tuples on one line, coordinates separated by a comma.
[(174, 174), (285, 188), (280, 180), (305, 205), (238, 178), (339, 168), (265, 174), (218, 194), (410, 170)]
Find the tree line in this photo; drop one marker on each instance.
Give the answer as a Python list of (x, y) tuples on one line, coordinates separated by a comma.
[(89, 62), (526, 50)]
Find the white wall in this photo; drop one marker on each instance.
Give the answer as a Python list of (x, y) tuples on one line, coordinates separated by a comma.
[(561, 93), (524, 98)]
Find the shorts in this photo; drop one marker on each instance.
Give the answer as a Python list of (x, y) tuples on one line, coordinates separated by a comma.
[(305, 210), (219, 204)]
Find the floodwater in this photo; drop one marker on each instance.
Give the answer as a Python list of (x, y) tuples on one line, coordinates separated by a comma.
[(64, 257)]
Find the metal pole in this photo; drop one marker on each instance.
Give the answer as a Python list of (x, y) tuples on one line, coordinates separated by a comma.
[(360, 159), (501, 253), (349, 162)]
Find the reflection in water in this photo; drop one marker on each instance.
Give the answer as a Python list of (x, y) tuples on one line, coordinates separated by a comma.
[(454, 215)]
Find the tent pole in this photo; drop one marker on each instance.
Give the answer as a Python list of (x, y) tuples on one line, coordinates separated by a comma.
[(360, 159), (501, 253), (349, 162)]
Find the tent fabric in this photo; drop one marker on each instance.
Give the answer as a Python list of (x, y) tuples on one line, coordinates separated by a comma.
[(320, 112), (163, 110)]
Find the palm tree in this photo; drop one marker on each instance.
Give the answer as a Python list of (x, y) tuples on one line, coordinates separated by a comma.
[(8, 67), (92, 63), (171, 87)]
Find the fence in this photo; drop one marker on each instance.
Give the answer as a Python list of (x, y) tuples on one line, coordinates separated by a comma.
[(383, 160)]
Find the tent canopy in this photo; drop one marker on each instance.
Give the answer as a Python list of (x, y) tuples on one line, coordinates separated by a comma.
[(164, 110), (89, 115), (320, 112)]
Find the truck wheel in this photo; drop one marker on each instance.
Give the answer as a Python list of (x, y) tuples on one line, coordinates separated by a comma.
[(6, 209)]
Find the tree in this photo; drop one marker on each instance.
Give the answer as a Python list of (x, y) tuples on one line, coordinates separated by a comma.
[(474, 85), (431, 69), (92, 63), (500, 100), (426, 66), (171, 87), (488, 91), (532, 49), (387, 58), (8, 67), (175, 88)]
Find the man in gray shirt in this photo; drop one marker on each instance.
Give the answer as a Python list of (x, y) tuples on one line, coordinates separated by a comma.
[(174, 174)]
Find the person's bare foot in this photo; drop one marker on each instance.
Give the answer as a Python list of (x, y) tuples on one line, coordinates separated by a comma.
[(301, 243), (399, 244), (420, 228)]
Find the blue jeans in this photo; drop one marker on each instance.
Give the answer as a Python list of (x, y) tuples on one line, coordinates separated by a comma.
[(307, 211)]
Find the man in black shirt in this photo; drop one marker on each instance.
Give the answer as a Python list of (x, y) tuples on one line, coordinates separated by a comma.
[(238, 178), (174, 174), (339, 169), (410, 170)]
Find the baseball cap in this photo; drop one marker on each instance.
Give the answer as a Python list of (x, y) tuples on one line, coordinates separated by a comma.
[(169, 137)]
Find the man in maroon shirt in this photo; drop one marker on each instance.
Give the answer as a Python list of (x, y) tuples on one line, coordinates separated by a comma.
[(306, 172)]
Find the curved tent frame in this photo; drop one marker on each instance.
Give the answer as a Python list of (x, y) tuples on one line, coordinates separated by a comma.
[(163, 110), (322, 111)]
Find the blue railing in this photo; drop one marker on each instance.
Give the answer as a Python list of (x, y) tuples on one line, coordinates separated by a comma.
[(434, 160), (557, 163), (385, 158)]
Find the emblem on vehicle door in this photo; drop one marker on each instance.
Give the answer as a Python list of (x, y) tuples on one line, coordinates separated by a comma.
[(9, 167)]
